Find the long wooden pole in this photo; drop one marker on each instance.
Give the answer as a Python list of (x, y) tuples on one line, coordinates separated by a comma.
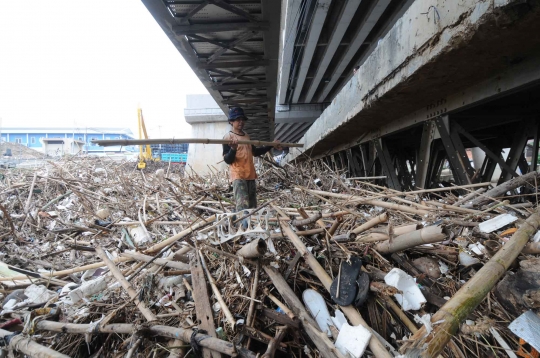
[(124, 142), (204, 340), (456, 310)]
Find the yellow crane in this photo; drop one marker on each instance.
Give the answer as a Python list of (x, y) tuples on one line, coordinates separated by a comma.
[(145, 152)]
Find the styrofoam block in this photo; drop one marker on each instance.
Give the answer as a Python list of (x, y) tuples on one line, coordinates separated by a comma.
[(352, 340), (496, 223), (412, 298)]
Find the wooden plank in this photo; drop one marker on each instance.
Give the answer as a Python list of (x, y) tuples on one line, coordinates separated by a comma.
[(202, 304)]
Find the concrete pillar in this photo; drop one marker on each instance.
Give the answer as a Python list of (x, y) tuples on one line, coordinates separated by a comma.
[(200, 156), (207, 121)]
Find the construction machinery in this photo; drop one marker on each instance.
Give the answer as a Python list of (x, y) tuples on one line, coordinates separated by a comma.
[(145, 152)]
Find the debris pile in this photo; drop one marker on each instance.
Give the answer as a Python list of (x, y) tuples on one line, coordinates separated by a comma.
[(99, 259)]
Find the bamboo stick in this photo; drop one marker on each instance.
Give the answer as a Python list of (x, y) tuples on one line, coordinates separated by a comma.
[(203, 340), (180, 235), (469, 296), (215, 289), (27, 346), (125, 142), (500, 190), (370, 223), (162, 262), (126, 285), (46, 275), (254, 249), (423, 236), (382, 204), (352, 313), (469, 196), (321, 340)]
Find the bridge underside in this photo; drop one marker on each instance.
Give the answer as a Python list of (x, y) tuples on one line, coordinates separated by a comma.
[(421, 100)]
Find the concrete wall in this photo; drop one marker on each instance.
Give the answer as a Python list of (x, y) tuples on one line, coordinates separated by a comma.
[(200, 156), (437, 48)]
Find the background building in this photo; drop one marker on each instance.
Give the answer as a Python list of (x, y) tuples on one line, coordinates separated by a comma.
[(35, 137)]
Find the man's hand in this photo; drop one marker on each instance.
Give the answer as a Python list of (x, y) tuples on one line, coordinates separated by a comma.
[(278, 147), (234, 143)]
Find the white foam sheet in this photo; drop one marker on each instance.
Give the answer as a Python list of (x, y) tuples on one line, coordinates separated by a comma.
[(352, 340)]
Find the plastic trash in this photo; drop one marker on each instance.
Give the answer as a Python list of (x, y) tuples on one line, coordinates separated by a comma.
[(87, 289), (496, 223), (412, 298), (316, 306), (139, 235), (352, 340)]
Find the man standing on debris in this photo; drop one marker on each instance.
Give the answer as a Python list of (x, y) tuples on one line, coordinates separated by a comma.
[(240, 159)]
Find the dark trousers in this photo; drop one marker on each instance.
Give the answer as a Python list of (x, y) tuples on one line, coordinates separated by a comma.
[(245, 194)]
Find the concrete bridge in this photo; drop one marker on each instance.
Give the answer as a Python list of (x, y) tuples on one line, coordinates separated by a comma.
[(435, 80)]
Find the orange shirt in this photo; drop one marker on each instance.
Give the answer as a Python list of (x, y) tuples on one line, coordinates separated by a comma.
[(242, 167)]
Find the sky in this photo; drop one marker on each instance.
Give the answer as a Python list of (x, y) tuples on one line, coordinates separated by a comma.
[(85, 64)]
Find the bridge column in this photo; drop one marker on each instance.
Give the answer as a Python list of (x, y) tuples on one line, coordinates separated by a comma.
[(207, 121)]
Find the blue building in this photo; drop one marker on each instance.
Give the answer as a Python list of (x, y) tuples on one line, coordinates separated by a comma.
[(32, 137)]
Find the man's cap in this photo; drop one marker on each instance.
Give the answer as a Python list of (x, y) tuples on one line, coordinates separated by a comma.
[(235, 113)]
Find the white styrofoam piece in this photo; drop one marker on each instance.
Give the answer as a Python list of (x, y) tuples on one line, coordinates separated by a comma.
[(412, 298), (317, 308), (477, 248), (536, 237), (496, 223), (527, 327), (352, 340), (88, 288), (339, 319)]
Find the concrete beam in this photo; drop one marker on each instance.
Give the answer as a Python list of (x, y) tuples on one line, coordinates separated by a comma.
[(289, 24), (319, 17), (296, 113), (347, 13), (427, 69), (374, 13)]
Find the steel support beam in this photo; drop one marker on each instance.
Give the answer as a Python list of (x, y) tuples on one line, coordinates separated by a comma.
[(232, 64), (456, 163), (345, 17), (373, 15), (422, 163), (519, 142), (497, 158), (387, 164), (182, 30), (240, 86), (321, 10), (534, 160)]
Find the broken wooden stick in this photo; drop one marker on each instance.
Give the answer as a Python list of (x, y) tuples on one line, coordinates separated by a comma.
[(126, 285), (370, 223)]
